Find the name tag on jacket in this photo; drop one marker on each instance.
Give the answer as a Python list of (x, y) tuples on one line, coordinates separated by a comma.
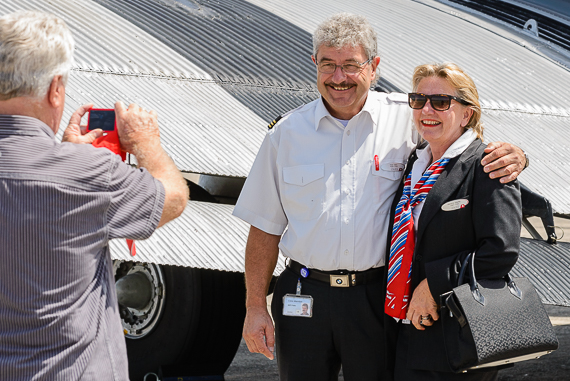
[(454, 205)]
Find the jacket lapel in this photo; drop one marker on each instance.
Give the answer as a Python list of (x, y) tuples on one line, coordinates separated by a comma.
[(447, 183)]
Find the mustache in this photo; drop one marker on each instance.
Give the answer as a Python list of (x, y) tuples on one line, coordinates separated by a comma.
[(347, 84)]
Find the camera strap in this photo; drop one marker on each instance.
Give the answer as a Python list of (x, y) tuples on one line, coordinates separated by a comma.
[(111, 141)]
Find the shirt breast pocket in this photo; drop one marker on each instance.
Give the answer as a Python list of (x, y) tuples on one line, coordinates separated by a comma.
[(386, 175), (303, 191)]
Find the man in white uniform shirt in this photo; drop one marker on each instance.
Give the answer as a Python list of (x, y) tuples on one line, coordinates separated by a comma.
[(320, 190)]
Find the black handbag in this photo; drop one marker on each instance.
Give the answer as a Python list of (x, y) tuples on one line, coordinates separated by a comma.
[(490, 323)]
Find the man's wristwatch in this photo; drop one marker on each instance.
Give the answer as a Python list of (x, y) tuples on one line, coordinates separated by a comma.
[(527, 163)]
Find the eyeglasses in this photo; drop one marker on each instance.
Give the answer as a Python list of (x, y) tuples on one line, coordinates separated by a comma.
[(347, 68), (439, 102)]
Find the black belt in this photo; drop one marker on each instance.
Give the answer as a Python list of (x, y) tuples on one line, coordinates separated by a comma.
[(341, 278)]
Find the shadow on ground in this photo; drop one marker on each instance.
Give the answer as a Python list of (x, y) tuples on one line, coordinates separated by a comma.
[(554, 367)]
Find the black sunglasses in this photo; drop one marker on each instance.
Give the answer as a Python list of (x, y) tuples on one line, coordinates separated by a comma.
[(439, 102)]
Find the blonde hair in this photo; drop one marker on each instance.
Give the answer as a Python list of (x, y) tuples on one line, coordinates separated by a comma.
[(462, 83), (34, 48)]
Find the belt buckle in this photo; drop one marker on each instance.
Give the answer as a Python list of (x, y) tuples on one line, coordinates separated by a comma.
[(339, 280)]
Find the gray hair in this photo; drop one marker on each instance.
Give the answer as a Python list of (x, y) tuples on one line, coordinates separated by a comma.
[(345, 29), (34, 48)]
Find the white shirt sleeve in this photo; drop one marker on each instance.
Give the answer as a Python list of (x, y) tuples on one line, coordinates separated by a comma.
[(259, 203)]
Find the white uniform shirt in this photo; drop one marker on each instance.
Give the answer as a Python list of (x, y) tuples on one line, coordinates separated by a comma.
[(328, 188), (424, 159)]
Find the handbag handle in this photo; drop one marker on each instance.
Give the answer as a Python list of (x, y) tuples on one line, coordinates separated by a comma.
[(469, 265), (473, 282), (513, 287), (463, 268)]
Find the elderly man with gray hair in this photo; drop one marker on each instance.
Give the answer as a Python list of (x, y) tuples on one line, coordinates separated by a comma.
[(320, 190), (61, 203)]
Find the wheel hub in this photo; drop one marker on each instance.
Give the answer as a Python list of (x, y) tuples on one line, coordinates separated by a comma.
[(140, 292)]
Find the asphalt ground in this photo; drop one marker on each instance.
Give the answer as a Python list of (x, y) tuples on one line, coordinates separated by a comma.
[(554, 367)]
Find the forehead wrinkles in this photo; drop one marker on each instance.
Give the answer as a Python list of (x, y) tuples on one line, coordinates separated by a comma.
[(345, 50), (436, 85), (348, 60)]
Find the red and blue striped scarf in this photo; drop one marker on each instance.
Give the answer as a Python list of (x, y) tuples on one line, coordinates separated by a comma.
[(404, 240)]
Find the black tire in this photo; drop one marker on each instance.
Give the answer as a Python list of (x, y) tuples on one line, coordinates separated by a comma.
[(176, 328), (220, 328), (200, 328)]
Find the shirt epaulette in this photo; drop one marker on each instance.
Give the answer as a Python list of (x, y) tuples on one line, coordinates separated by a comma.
[(276, 120), (398, 97)]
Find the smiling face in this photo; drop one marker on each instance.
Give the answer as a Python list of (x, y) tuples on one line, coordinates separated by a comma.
[(344, 94), (440, 128)]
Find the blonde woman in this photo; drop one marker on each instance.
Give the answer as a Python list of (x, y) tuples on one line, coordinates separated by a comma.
[(446, 208)]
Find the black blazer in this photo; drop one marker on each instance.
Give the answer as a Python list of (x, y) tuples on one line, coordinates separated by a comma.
[(490, 224)]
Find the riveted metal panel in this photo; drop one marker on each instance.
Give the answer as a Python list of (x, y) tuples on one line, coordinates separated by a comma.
[(203, 128), (218, 71), (506, 67), (546, 140), (105, 42), (524, 84), (547, 267), (205, 236)]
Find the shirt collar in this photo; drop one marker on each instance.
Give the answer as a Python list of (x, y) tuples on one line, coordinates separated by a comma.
[(371, 107), (321, 110), (461, 144), (454, 150), (24, 125)]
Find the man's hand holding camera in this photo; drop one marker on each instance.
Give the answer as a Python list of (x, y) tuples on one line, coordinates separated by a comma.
[(77, 133)]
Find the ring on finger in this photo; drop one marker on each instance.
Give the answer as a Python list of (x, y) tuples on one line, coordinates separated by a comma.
[(426, 317)]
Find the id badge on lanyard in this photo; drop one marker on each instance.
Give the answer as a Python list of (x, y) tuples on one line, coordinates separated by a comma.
[(296, 304)]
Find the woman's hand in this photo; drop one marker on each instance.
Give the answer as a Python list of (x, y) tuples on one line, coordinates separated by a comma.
[(422, 304)]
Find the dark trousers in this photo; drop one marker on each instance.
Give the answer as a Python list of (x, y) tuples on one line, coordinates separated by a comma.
[(346, 328), (403, 372)]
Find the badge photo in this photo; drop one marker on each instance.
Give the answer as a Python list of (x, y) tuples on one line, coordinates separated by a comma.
[(297, 305)]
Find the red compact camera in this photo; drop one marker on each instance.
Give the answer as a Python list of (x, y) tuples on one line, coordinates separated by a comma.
[(106, 121)]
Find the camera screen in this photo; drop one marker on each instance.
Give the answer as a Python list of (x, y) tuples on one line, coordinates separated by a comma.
[(102, 119)]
